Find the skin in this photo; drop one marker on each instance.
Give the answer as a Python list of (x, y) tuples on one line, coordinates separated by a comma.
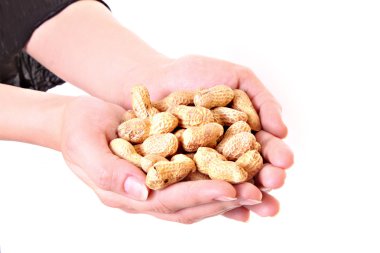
[(113, 59)]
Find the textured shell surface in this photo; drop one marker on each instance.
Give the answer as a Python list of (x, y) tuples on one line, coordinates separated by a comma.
[(189, 116), (219, 95), (252, 162), (242, 102), (238, 144), (160, 144)]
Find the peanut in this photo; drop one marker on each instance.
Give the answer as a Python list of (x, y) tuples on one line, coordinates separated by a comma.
[(237, 127), (196, 175), (227, 116), (175, 98), (201, 136), (141, 103), (257, 146), (179, 133), (134, 130), (162, 123), (125, 150), (149, 160), (242, 102), (159, 144), (164, 173), (189, 116), (251, 162), (213, 164), (237, 145), (137, 130), (219, 95)]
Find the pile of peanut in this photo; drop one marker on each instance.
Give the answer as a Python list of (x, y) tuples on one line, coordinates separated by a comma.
[(207, 134)]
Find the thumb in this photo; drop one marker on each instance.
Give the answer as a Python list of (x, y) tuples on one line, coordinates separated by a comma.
[(120, 176), (106, 170)]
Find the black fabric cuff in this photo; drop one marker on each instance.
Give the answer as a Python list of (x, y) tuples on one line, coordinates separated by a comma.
[(19, 19)]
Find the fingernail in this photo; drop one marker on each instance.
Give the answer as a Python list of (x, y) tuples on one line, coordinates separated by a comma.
[(218, 213), (225, 199), (249, 202), (135, 189), (265, 189)]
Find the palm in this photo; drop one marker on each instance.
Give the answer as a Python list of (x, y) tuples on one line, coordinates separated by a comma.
[(192, 72), (89, 125)]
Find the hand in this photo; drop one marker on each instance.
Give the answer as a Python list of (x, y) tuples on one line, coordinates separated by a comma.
[(191, 72), (88, 126)]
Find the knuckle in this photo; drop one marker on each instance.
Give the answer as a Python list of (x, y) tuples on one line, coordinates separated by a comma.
[(104, 179), (162, 208), (242, 70)]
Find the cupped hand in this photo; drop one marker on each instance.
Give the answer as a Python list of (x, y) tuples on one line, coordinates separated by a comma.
[(88, 126), (192, 72)]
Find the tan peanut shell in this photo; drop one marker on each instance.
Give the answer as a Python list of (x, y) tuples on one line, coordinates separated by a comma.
[(164, 173), (208, 162), (237, 145), (210, 153), (149, 160), (159, 144), (237, 127), (201, 136), (141, 103), (175, 98), (227, 116), (179, 133), (196, 175), (134, 130), (242, 102), (252, 162), (257, 146), (189, 116), (162, 123), (219, 95), (125, 150)]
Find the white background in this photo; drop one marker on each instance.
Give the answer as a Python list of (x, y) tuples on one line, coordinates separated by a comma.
[(321, 59)]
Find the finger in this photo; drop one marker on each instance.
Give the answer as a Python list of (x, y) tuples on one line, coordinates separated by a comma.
[(270, 116), (275, 150), (239, 214), (270, 177), (269, 206), (198, 213), (194, 194), (267, 106), (188, 194), (248, 194)]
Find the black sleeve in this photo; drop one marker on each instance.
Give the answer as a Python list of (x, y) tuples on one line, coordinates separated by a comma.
[(18, 20)]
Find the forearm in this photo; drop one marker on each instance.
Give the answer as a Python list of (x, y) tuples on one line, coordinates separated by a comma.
[(31, 116), (87, 47)]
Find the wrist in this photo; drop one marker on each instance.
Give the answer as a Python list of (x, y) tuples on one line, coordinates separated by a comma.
[(49, 127), (32, 116)]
